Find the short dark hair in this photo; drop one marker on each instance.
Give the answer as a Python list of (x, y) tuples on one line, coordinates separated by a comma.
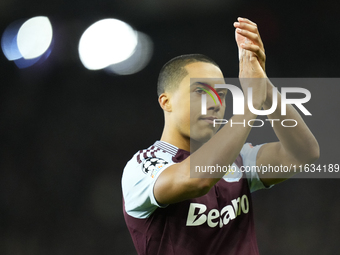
[(174, 71)]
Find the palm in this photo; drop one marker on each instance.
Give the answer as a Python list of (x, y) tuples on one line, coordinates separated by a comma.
[(242, 39)]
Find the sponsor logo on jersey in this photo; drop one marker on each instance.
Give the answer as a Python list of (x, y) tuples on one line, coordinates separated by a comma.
[(152, 166), (233, 175), (198, 216)]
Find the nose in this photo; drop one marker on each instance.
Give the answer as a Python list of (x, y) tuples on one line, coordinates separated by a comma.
[(213, 105)]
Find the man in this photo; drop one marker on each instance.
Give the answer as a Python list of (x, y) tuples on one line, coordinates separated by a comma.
[(167, 211)]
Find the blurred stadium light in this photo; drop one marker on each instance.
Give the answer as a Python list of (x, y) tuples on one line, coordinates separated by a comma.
[(138, 60), (115, 46), (27, 42)]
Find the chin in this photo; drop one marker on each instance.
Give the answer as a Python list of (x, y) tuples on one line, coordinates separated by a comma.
[(202, 138)]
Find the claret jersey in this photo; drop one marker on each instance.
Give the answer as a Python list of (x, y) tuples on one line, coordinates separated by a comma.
[(220, 222)]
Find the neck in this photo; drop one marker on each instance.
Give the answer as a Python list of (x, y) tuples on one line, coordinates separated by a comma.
[(179, 140)]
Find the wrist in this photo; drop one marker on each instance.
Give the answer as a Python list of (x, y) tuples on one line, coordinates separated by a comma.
[(267, 104), (258, 105)]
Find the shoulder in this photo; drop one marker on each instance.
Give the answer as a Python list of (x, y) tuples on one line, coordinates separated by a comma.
[(138, 179), (249, 153), (145, 161)]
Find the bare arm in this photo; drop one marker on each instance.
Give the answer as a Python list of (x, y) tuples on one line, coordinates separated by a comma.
[(174, 183), (296, 145)]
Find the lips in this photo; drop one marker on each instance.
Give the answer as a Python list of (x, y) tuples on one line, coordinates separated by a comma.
[(209, 119)]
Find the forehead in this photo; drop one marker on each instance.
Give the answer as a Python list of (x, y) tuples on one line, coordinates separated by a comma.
[(203, 72)]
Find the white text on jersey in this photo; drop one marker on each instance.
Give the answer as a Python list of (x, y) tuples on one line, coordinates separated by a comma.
[(229, 212)]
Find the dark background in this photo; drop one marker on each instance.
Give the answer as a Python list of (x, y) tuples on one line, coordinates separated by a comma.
[(66, 132)]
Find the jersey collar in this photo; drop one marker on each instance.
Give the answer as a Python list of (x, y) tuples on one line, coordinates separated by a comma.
[(178, 155)]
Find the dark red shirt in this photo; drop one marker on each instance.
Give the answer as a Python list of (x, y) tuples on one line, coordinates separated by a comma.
[(220, 222)]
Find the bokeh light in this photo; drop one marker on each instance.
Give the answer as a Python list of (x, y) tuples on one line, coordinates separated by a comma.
[(34, 37), (138, 60), (106, 42), (9, 41), (27, 42)]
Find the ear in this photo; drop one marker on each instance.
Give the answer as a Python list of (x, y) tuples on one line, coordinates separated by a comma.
[(164, 102)]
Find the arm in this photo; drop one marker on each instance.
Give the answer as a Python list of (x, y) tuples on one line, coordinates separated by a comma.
[(296, 145), (174, 183)]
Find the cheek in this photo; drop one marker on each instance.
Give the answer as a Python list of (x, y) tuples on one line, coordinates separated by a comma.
[(195, 106), (222, 112), (183, 116)]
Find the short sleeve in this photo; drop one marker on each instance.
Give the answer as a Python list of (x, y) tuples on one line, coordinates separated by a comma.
[(138, 181), (248, 154)]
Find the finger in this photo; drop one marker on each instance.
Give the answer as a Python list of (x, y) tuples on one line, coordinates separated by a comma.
[(247, 54), (255, 49), (248, 27), (240, 19), (255, 38)]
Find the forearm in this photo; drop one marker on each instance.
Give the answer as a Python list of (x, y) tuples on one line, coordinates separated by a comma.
[(223, 148), (298, 141), (180, 181)]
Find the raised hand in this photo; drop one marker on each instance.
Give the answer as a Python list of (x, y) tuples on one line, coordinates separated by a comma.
[(252, 61), (247, 31)]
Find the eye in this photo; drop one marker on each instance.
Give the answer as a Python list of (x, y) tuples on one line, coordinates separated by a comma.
[(221, 94), (200, 91)]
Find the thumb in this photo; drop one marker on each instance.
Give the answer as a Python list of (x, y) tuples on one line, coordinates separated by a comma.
[(238, 43)]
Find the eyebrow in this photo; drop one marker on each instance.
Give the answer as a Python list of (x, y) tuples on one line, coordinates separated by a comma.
[(200, 83), (211, 88), (206, 84)]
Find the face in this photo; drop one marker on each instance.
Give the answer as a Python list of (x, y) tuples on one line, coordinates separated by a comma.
[(186, 102)]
